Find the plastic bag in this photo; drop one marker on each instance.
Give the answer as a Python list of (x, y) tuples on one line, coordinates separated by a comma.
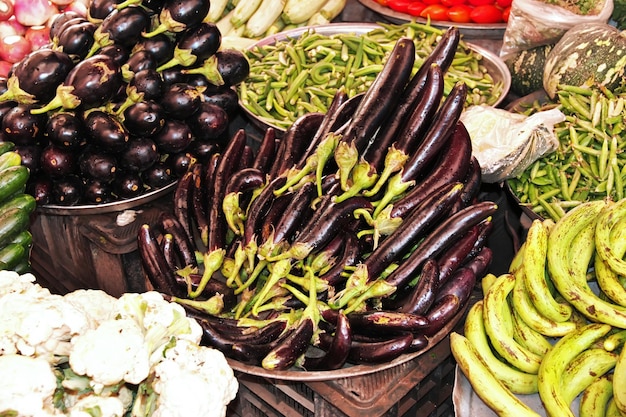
[(534, 22), (506, 143)]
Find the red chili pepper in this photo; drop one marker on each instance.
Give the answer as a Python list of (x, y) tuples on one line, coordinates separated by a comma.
[(450, 3), (503, 4), (428, 2), (487, 13), (415, 8), (435, 12), (505, 14), (476, 3), (460, 13)]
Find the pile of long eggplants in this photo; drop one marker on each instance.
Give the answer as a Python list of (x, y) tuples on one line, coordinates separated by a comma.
[(353, 239), (120, 100)]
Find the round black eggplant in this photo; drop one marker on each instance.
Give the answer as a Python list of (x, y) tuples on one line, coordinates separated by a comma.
[(58, 162), (30, 156), (159, 175), (180, 100), (60, 20), (128, 185), (148, 83), (97, 192), (106, 131), (195, 45), (123, 26), (119, 53), (179, 15), (98, 10), (144, 118), (76, 40), (41, 72), (202, 150), (209, 122), (66, 191), (180, 162), (160, 46), (227, 67), (64, 24), (140, 60), (173, 75), (22, 127), (175, 136), (97, 164), (66, 129), (224, 96), (40, 187), (139, 155), (5, 107)]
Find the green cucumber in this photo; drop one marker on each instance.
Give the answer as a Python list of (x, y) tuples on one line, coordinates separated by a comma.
[(12, 180), (6, 146), (12, 255), (22, 201), (10, 159), (24, 238), (23, 267), (12, 222)]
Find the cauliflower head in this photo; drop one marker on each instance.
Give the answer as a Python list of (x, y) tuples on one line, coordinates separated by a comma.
[(12, 282), (95, 405), (96, 304), (27, 386), (193, 380), (113, 352), (39, 326)]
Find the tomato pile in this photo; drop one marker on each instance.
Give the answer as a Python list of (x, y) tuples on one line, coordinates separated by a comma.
[(457, 11)]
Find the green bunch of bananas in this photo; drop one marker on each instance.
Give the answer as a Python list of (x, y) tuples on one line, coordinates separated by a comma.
[(542, 328)]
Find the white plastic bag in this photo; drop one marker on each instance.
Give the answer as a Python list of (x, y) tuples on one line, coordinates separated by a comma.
[(535, 22), (506, 143)]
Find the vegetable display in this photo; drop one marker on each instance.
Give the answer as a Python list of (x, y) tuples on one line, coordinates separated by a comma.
[(554, 324), (88, 353), (301, 74), (120, 101), (346, 247), (588, 165)]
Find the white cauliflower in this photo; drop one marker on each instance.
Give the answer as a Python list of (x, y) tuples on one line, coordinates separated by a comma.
[(97, 304), (12, 282), (193, 380), (113, 352), (105, 406), (39, 326), (27, 386)]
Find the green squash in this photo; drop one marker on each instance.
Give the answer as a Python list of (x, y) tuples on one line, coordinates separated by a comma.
[(526, 68), (588, 54)]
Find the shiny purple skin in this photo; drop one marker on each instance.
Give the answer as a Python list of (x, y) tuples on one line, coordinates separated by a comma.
[(95, 80), (42, 71)]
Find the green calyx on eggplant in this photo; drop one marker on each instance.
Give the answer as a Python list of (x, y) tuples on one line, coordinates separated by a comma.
[(35, 78), (226, 67), (195, 45), (121, 26), (178, 15), (91, 83)]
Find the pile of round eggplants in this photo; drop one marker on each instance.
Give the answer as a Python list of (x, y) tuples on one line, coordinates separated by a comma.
[(355, 238), (121, 100)]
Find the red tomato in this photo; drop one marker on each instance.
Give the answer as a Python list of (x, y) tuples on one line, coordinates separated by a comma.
[(487, 13), (450, 3), (481, 2), (399, 5), (427, 2), (435, 12), (503, 4), (460, 13), (415, 8), (505, 14)]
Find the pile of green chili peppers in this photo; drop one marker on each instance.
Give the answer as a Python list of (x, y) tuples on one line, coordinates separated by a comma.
[(301, 75), (589, 163)]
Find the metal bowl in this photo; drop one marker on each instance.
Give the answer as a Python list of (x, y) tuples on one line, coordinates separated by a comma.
[(494, 65)]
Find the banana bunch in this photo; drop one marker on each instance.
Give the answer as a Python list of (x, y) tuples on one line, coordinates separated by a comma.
[(16, 207), (544, 327), (255, 19)]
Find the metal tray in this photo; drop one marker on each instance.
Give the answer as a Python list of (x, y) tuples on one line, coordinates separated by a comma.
[(473, 30)]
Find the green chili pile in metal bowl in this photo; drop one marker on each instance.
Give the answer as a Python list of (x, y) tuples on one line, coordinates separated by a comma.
[(299, 71), (589, 164)]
